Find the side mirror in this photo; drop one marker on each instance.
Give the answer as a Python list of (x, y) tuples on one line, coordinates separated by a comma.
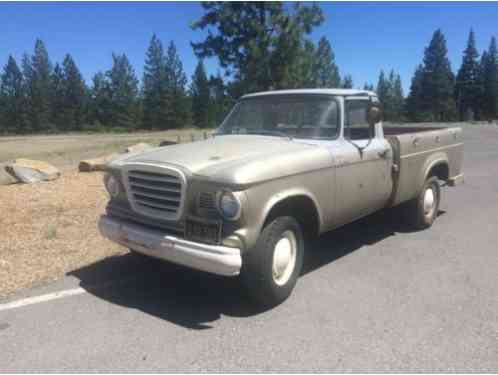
[(374, 114)]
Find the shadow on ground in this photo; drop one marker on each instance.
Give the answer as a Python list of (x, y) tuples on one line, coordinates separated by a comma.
[(194, 299)]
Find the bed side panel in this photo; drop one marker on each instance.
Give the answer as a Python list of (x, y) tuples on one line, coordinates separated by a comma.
[(419, 152)]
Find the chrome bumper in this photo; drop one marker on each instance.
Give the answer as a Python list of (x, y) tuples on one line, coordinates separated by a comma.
[(220, 260)]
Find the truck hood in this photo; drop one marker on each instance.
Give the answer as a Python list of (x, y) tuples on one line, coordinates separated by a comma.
[(238, 159)]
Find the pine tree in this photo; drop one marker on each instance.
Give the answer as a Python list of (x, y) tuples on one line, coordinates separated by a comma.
[(258, 44), (57, 100), (325, 70), (489, 66), (155, 82), (347, 83), (398, 99), (73, 101), (100, 107), (220, 101), (390, 93), (200, 95), (383, 90), (178, 103), (39, 83), (438, 80), (368, 86), (468, 88), (301, 73), (13, 100), (414, 109), (123, 91)]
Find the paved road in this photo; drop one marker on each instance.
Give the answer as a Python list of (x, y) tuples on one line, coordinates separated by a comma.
[(372, 297)]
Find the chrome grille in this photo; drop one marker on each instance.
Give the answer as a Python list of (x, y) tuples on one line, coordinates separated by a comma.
[(156, 193)]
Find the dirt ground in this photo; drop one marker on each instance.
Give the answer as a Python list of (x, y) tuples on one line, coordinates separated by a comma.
[(50, 228)]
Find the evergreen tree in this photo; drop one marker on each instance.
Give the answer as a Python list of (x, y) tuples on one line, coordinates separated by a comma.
[(301, 73), (383, 90), (220, 101), (123, 92), (438, 81), (178, 103), (57, 100), (347, 83), (155, 82), (468, 88), (201, 101), (73, 100), (390, 93), (39, 84), (257, 43), (12, 99), (489, 66), (368, 87), (398, 99), (414, 108), (325, 70), (100, 111)]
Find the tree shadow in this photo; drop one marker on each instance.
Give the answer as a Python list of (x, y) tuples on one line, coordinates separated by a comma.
[(195, 299)]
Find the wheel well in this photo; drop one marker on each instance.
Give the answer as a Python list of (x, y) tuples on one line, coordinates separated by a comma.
[(441, 171), (300, 207)]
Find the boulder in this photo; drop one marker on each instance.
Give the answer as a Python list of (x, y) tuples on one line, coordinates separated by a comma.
[(139, 147), (30, 171), (5, 177), (97, 164)]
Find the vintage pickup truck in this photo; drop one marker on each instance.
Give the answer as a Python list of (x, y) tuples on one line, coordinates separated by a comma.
[(284, 166)]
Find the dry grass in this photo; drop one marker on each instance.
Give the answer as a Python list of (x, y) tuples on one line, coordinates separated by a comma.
[(65, 151)]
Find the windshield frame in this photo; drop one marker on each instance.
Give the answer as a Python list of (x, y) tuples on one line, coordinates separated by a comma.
[(334, 98)]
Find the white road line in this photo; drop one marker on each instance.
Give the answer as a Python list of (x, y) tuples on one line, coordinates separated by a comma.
[(42, 298)]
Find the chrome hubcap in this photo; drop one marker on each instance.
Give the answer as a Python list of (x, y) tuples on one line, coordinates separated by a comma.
[(429, 202), (284, 258)]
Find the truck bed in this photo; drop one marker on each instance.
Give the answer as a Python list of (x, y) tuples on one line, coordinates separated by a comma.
[(419, 151)]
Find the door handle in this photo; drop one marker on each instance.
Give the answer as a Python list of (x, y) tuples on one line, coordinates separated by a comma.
[(383, 153)]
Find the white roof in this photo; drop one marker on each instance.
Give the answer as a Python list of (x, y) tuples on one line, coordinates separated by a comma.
[(336, 92)]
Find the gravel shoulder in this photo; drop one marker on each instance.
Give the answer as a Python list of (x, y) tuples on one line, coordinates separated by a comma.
[(49, 228)]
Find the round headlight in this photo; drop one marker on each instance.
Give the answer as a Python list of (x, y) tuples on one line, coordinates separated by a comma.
[(112, 185), (229, 205)]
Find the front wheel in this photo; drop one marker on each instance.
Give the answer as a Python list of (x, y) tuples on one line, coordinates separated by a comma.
[(270, 270)]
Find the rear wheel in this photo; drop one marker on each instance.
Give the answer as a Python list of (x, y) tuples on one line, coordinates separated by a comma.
[(270, 270), (423, 210)]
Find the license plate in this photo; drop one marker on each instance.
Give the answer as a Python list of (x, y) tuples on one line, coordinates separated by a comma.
[(203, 231)]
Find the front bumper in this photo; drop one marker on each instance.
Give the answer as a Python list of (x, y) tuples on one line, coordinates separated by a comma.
[(220, 260)]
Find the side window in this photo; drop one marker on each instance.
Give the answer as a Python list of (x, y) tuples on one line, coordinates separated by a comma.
[(356, 125)]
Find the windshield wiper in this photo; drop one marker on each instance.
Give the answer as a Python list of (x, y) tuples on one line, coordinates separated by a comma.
[(270, 132)]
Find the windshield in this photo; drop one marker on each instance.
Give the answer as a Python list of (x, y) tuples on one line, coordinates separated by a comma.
[(285, 116)]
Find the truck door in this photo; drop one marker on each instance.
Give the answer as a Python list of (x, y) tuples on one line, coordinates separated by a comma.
[(364, 162)]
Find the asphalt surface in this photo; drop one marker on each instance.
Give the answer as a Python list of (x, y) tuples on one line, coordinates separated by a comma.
[(373, 296)]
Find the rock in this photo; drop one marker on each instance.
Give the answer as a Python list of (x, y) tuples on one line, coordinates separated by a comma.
[(29, 171), (97, 164), (5, 177), (167, 143), (139, 147)]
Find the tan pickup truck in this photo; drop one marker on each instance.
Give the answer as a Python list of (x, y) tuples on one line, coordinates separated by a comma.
[(284, 166)]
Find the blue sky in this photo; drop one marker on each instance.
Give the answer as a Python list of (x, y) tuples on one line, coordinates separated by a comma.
[(366, 37)]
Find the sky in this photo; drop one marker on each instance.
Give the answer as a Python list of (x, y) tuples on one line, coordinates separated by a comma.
[(365, 37)]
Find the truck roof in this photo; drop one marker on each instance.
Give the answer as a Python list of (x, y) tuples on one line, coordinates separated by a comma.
[(336, 92)]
